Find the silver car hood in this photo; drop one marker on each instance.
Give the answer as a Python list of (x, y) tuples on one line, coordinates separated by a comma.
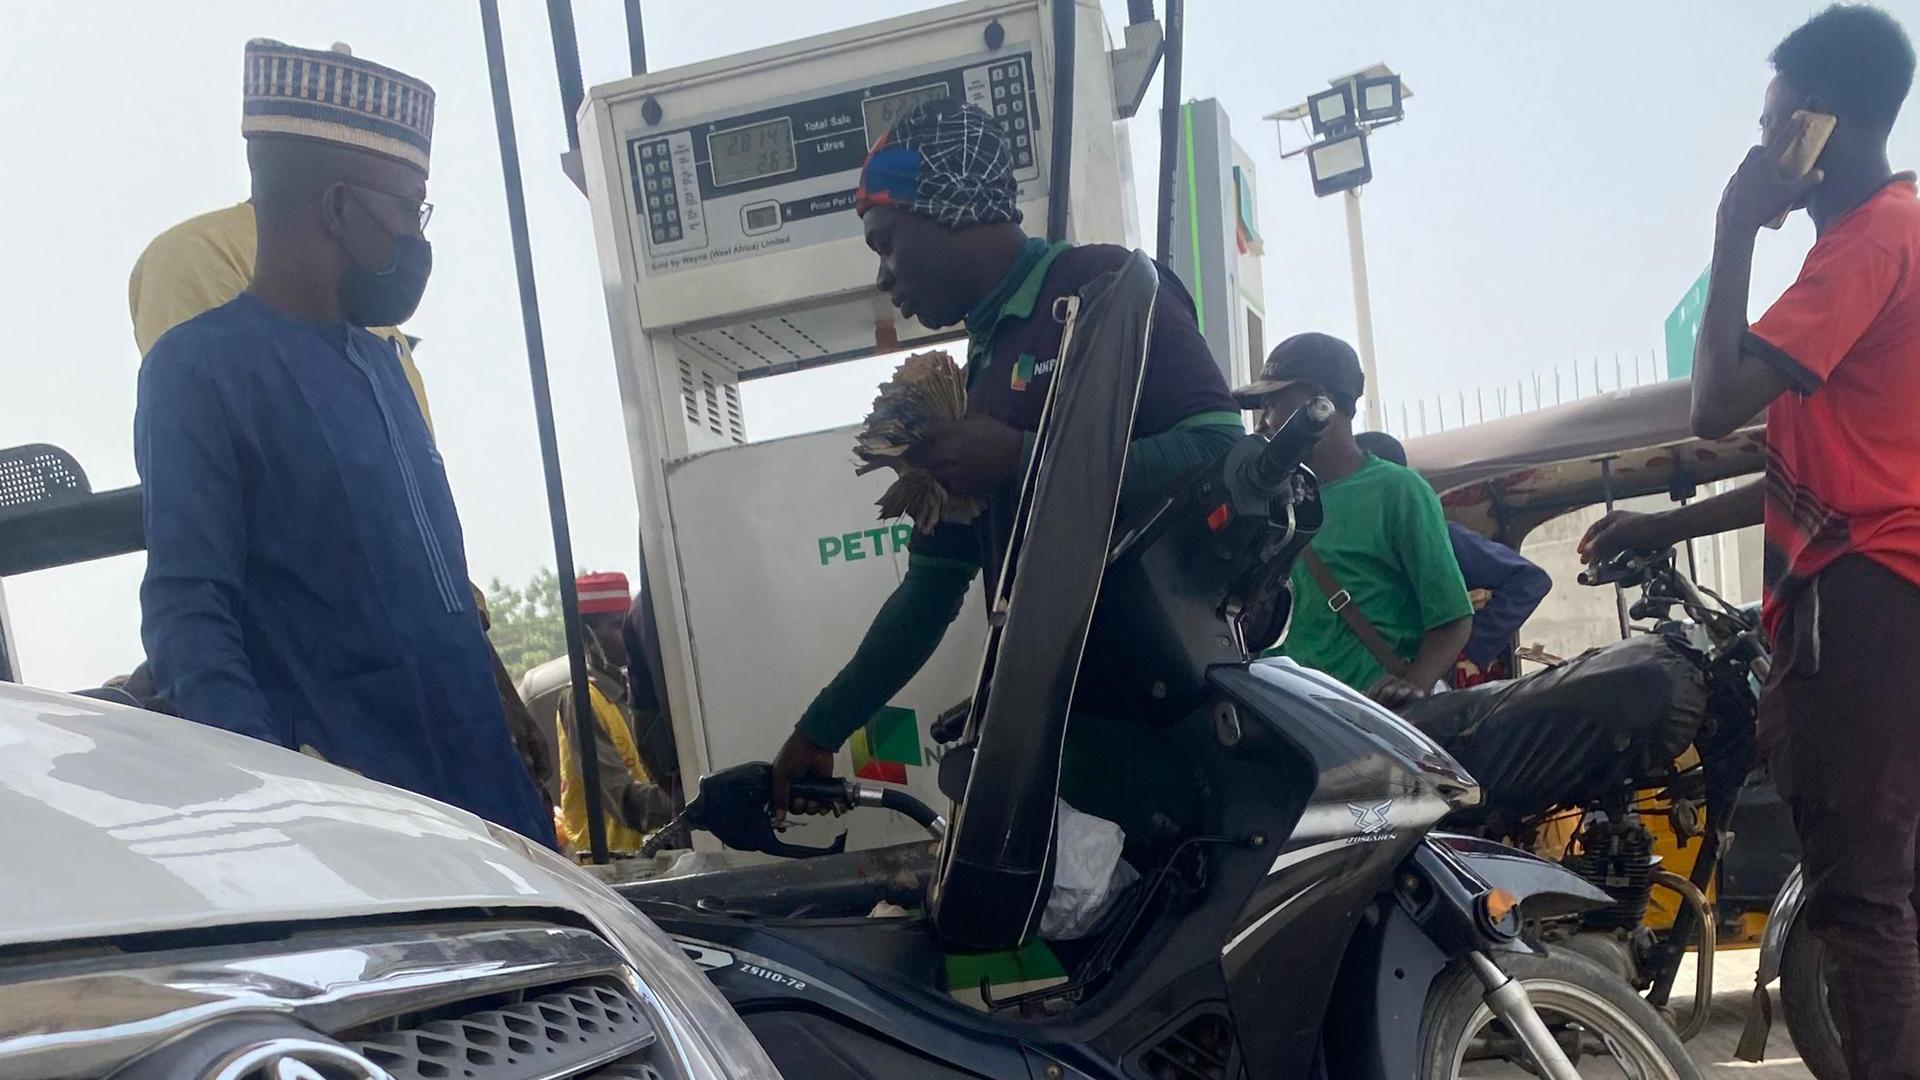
[(118, 821)]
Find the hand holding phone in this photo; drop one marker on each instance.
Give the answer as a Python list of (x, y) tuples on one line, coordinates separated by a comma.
[(1775, 179), (1799, 147)]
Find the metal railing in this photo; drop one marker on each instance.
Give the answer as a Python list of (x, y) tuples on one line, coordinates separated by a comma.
[(1541, 389)]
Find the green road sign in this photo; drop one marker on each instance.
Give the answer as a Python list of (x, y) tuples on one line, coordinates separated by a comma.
[(1683, 328)]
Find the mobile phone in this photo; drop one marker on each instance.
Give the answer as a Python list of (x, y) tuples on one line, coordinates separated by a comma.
[(1800, 145)]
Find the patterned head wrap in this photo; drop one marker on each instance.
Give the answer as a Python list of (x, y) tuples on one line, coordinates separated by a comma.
[(336, 97), (947, 161)]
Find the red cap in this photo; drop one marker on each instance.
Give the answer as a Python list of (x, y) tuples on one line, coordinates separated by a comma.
[(603, 594)]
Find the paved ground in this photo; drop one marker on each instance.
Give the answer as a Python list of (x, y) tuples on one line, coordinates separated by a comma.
[(1732, 994)]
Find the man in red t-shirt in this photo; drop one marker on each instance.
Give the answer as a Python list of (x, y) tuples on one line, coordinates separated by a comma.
[(1835, 363)]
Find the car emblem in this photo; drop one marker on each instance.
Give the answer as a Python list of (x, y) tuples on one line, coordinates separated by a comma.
[(296, 1059), (1372, 820)]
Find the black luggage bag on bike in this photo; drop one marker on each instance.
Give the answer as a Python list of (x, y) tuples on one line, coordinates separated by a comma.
[(1614, 714)]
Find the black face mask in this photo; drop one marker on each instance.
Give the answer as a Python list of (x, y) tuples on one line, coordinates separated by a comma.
[(387, 297)]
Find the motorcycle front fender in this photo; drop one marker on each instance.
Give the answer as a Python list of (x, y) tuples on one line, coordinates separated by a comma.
[(1393, 959), (1773, 945), (1780, 919), (1545, 890)]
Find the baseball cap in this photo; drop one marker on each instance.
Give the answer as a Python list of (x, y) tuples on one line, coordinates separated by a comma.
[(1320, 359)]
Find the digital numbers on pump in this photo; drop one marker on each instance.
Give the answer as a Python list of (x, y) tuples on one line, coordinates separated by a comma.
[(881, 113), (752, 152)]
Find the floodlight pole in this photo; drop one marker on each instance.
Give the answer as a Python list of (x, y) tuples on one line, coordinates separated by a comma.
[(1363, 308), (1355, 121)]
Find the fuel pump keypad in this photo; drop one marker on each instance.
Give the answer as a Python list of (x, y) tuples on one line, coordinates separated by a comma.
[(662, 194)]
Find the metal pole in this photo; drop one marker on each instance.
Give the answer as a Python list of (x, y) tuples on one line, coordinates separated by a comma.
[(7, 673), (566, 63), (1170, 131), (1061, 159), (666, 771), (586, 732), (636, 39), (1606, 489), (1362, 306)]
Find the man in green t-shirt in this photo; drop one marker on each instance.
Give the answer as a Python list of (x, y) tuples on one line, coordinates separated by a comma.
[(1383, 549)]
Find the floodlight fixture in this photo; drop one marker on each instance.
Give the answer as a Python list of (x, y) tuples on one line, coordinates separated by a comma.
[(1377, 98), (1340, 163), (1331, 111)]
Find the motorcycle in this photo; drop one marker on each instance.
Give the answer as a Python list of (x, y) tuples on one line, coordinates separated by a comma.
[(1727, 644), (1316, 924), (833, 991), (1667, 746)]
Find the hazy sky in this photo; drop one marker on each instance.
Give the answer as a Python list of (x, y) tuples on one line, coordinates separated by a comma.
[(1548, 199)]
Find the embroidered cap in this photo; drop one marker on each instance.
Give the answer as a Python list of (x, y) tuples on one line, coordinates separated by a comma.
[(337, 97), (604, 593), (946, 160)]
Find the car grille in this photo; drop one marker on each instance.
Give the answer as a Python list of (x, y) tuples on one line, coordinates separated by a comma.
[(562, 1032), (481, 1000)]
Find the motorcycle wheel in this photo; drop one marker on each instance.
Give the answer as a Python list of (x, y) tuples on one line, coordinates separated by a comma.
[(1803, 1000), (1606, 1029)]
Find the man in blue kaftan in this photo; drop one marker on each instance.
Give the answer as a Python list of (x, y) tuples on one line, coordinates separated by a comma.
[(306, 574)]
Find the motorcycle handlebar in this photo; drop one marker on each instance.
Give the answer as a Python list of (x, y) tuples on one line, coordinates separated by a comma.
[(1623, 568), (1290, 445)]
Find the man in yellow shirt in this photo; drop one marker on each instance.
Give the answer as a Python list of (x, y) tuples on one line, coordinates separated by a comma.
[(204, 262), (632, 803)]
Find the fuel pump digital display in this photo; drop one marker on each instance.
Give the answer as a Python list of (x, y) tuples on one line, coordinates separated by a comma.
[(753, 152), (727, 185), (881, 113)]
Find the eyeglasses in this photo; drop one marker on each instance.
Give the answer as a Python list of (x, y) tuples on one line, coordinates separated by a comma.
[(422, 208)]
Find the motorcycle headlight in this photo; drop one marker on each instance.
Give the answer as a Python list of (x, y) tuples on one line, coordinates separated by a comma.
[(709, 1039)]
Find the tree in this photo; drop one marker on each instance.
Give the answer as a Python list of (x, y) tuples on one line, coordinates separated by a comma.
[(527, 629)]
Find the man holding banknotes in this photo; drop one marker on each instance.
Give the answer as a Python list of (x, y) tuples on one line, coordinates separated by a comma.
[(939, 204)]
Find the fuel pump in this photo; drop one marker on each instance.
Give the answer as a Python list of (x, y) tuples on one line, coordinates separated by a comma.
[(722, 197)]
